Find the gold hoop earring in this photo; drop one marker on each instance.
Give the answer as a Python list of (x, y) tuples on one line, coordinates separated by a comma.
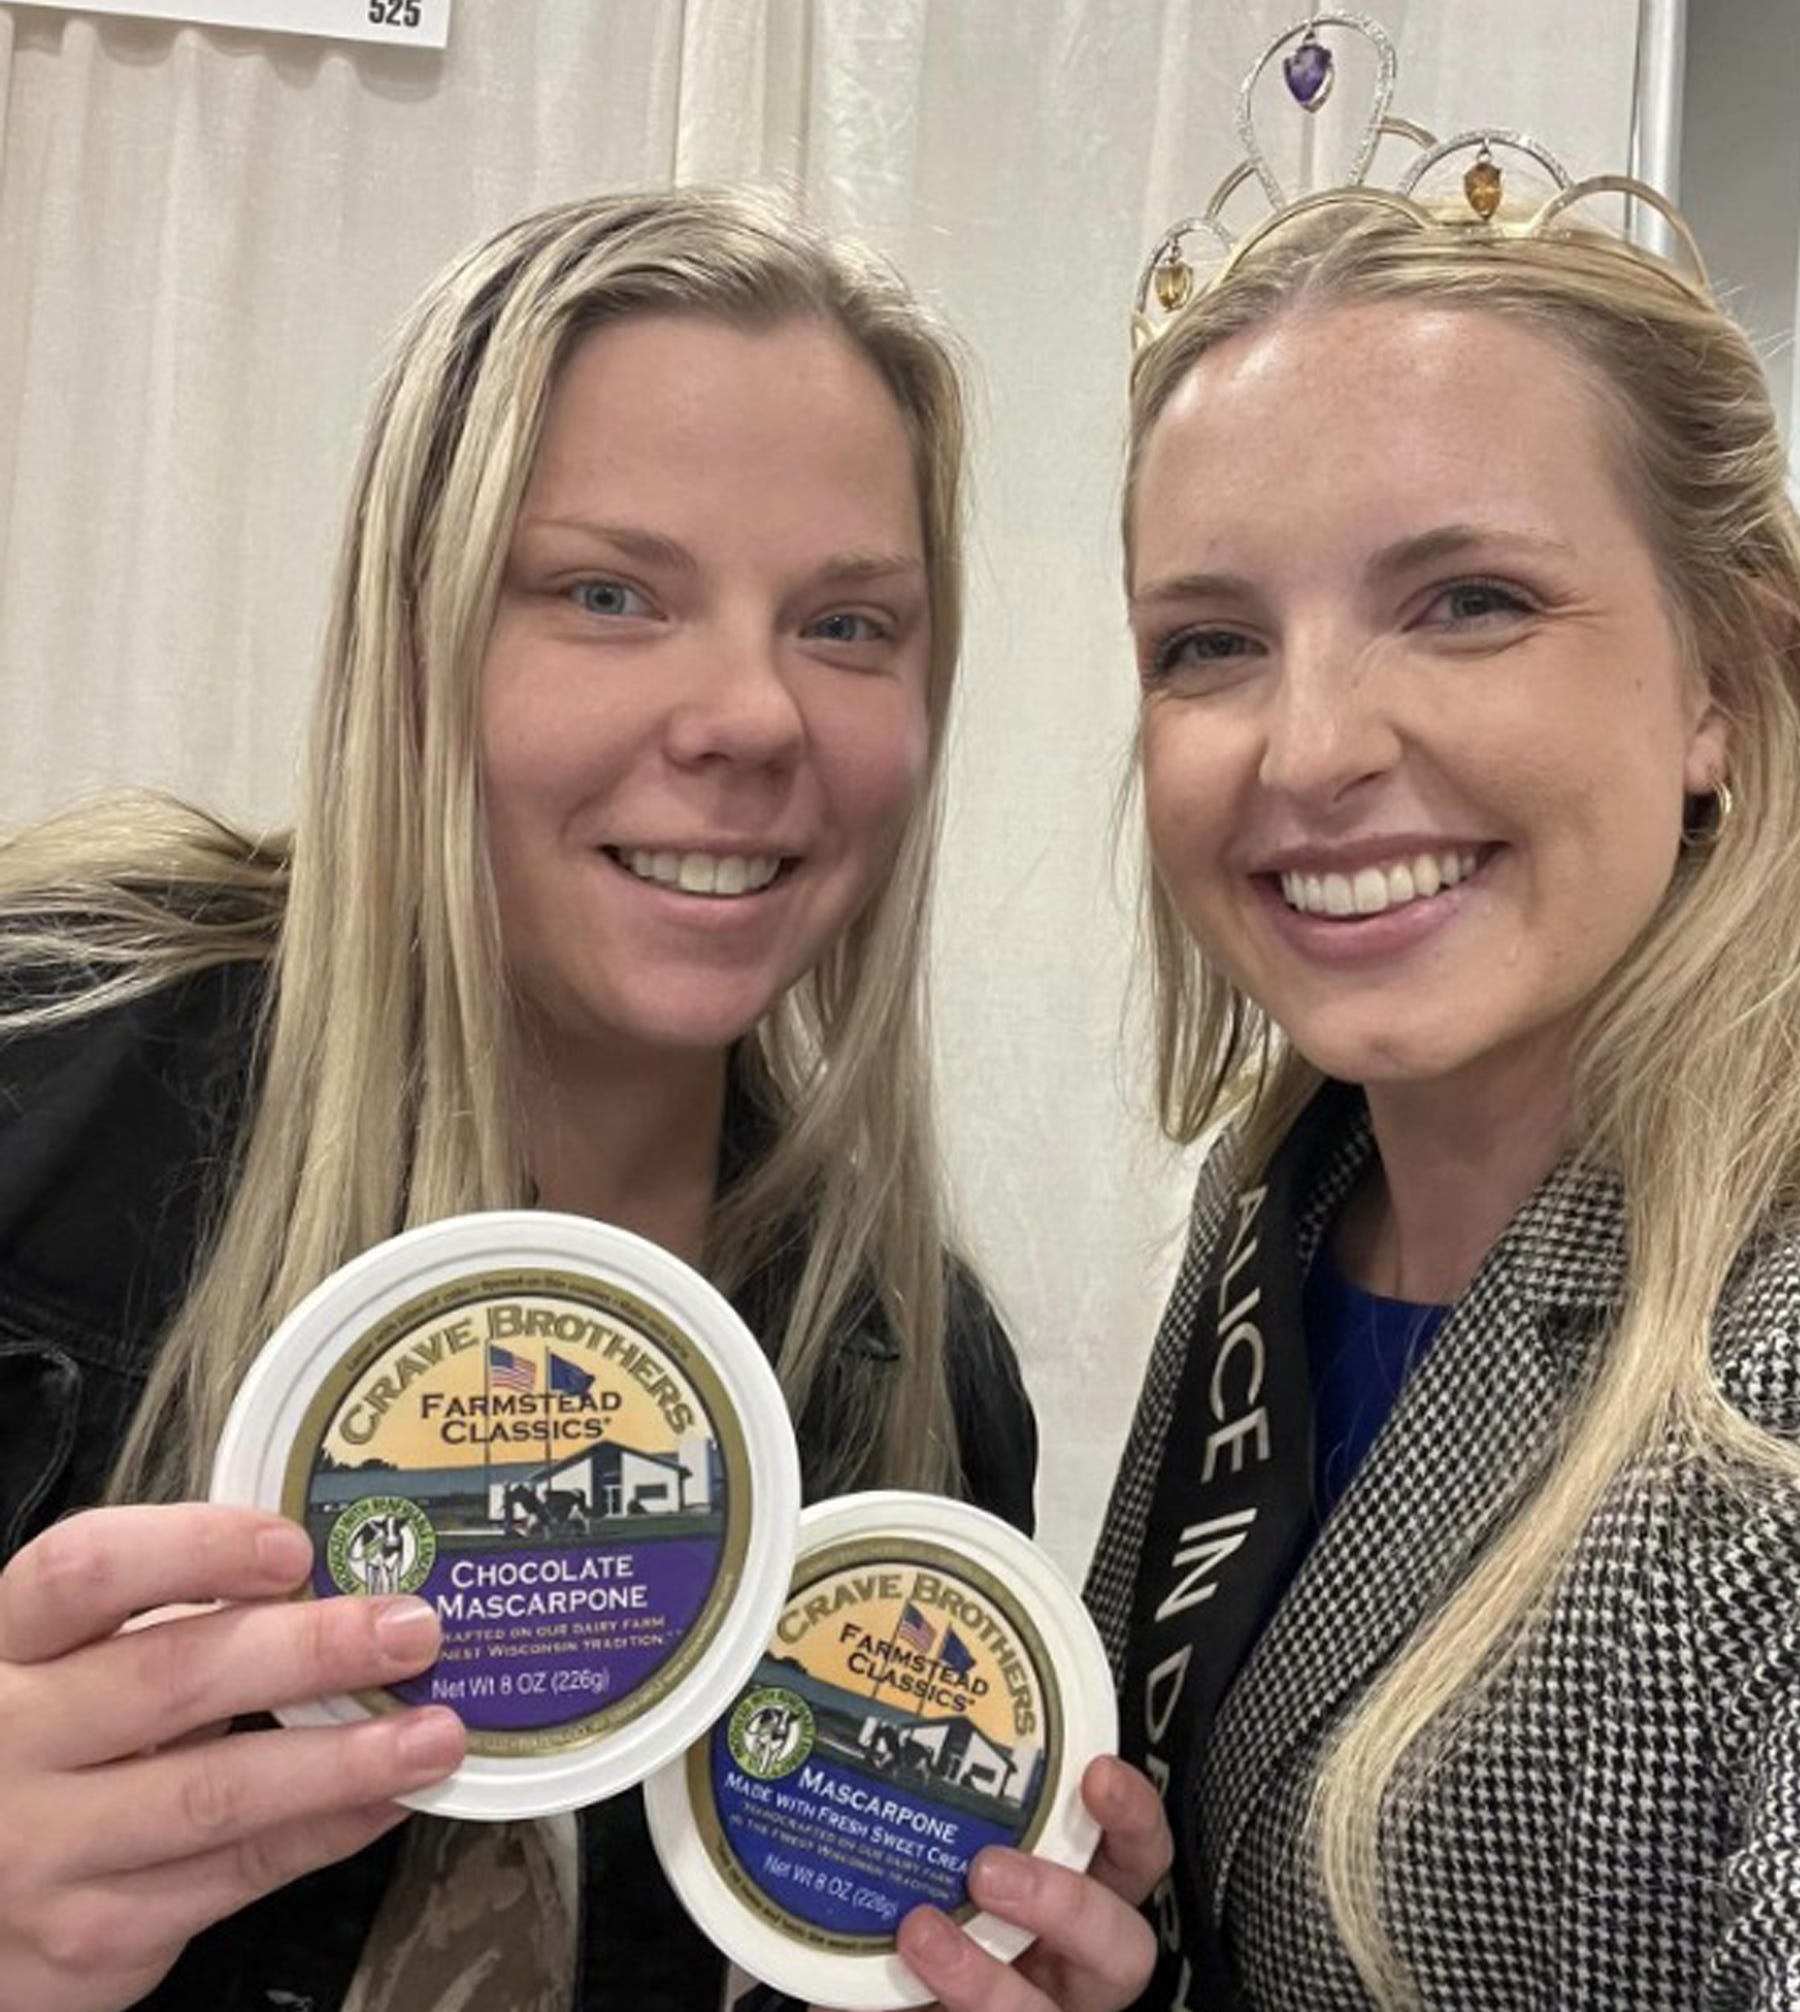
[(1702, 836)]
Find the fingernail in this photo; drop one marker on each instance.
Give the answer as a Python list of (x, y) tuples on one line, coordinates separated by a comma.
[(284, 1552), (1105, 1787), (430, 1744), (1001, 1875), (407, 1632)]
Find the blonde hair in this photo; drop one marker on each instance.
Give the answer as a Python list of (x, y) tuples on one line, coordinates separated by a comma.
[(1689, 1055), (384, 1082)]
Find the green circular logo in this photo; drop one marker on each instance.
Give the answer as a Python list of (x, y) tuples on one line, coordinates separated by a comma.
[(381, 1544), (771, 1732)]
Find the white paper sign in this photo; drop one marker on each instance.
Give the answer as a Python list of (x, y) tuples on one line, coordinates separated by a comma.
[(423, 23)]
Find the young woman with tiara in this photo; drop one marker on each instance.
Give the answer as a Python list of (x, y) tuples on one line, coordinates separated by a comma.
[(605, 893), (1453, 1573)]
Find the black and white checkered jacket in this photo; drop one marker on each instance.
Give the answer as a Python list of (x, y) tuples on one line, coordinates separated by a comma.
[(1623, 1831)]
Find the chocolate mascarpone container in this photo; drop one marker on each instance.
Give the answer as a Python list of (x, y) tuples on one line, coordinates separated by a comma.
[(931, 1685), (568, 1442)]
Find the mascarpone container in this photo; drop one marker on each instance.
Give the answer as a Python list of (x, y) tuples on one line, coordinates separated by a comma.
[(566, 1441), (931, 1684)]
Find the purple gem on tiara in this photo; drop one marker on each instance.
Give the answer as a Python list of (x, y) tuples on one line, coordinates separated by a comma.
[(1308, 72)]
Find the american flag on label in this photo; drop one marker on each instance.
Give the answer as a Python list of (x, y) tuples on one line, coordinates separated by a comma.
[(508, 1371), (914, 1630)]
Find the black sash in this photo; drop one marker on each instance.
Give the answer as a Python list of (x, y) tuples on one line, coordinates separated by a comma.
[(1231, 1510)]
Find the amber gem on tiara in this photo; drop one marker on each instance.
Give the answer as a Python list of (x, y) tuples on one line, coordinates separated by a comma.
[(1174, 282), (1309, 71), (1482, 184)]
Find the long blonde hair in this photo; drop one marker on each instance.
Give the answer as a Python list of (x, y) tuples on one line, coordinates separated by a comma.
[(1688, 1059), (385, 1068)]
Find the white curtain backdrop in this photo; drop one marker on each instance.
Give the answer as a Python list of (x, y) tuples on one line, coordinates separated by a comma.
[(1739, 169), (204, 234)]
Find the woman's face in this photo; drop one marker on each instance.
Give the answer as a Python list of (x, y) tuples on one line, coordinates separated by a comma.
[(1417, 727), (703, 709)]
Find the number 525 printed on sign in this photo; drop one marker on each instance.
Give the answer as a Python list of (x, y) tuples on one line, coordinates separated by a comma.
[(423, 24)]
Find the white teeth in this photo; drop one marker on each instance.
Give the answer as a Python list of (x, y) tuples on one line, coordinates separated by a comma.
[(720, 875), (1371, 890)]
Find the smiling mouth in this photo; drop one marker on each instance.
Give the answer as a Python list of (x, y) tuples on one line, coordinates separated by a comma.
[(720, 875), (1373, 890)]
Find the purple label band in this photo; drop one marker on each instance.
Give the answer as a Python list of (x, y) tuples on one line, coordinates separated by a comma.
[(537, 1636)]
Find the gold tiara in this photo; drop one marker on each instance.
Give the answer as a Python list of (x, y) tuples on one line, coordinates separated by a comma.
[(1309, 71)]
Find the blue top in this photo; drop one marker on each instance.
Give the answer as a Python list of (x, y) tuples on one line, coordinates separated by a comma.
[(1360, 1349)]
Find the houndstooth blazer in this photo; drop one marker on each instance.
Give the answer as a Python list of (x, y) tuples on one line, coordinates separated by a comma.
[(1623, 1831)]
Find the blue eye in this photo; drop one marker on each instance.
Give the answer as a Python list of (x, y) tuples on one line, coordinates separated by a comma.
[(1194, 654), (845, 625), (608, 597), (1466, 602)]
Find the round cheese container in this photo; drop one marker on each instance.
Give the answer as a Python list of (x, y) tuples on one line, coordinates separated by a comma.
[(568, 1442), (931, 1685)]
